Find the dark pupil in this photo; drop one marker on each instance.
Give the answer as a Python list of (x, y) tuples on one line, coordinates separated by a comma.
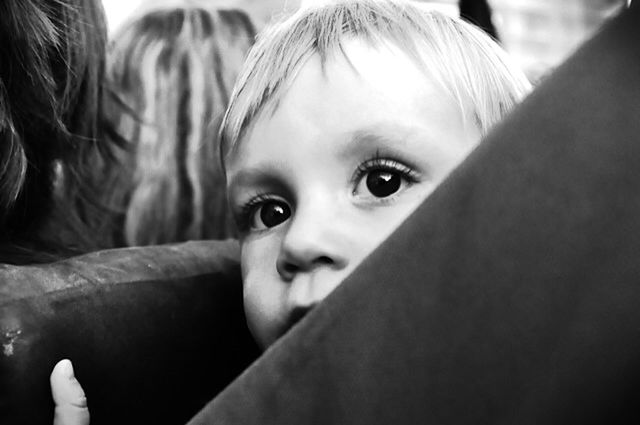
[(383, 183), (274, 213)]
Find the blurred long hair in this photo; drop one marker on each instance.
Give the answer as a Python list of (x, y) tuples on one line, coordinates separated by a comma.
[(52, 57), (173, 70)]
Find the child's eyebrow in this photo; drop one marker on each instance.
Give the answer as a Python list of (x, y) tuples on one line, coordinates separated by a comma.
[(255, 177), (386, 135)]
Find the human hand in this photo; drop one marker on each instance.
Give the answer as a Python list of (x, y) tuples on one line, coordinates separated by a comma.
[(68, 396)]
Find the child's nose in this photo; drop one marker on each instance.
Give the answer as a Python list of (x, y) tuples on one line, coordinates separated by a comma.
[(311, 244), (291, 263)]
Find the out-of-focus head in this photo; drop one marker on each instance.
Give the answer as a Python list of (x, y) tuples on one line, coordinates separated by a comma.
[(51, 70), (345, 118), (174, 66)]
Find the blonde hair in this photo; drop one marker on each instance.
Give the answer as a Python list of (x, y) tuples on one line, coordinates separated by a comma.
[(174, 68), (462, 58)]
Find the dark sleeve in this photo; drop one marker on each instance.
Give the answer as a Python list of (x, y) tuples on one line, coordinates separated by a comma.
[(153, 332), (510, 297)]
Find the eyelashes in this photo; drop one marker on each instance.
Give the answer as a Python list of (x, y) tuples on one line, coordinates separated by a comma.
[(378, 180), (390, 172), (251, 210)]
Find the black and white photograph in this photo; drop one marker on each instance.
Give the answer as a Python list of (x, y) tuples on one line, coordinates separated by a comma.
[(318, 212)]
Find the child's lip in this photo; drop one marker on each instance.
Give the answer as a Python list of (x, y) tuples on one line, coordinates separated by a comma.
[(296, 314)]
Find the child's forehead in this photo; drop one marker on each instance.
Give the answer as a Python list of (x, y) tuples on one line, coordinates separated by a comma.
[(381, 65), (367, 83), (380, 68), (279, 60), (381, 55)]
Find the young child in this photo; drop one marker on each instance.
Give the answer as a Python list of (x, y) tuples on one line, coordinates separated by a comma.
[(345, 118)]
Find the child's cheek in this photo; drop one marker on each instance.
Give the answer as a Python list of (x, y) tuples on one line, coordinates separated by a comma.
[(264, 292)]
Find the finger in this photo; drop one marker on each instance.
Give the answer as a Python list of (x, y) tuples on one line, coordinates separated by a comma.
[(68, 396)]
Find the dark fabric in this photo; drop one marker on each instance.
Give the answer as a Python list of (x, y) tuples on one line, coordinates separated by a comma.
[(478, 12), (153, 332), (510, 297)]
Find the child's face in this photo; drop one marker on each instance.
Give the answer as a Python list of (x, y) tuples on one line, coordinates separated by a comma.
[(318, 184)]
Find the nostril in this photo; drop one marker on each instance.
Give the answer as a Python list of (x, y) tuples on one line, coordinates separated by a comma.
[(290, 268), (324, 260), (289, 265), (286, 268)]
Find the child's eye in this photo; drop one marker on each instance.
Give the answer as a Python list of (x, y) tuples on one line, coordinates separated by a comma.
[(264, 213), (381, 178), (382, 183), (270, 214)]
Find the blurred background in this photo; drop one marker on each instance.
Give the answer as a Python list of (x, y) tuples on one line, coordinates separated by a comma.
[(539, 34)]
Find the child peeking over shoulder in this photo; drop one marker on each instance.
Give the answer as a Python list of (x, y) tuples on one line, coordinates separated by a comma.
[(344, 119)]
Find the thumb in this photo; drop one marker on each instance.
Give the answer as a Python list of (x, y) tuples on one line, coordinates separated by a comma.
[(68, 396)]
